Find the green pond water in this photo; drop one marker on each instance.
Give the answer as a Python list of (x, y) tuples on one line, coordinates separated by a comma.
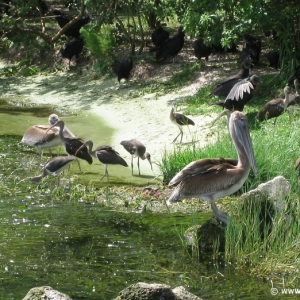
[(91, 251)]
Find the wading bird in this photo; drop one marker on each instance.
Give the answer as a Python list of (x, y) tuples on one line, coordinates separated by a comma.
[(55, 166), (136, 148), (241, 93), (179, 120), (72, 144), (105, 154), (40, 137), (211, 179), (275, 107)]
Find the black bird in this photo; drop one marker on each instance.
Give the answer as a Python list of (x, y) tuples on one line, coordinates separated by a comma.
[(252, 47), (159, 35), (179, 120), (273, 58), (223, 88), (63, 19), (72, 144), (54, 166), (122, 68), (275, 107), (240, 94), (105, 154), (42, 6), (136, 148), (201, 50), (71, 49), (171, 47)]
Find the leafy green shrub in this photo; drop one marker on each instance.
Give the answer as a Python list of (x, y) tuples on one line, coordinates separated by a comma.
[(100, 45)]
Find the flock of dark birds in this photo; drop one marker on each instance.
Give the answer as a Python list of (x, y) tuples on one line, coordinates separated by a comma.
[(208, 179)]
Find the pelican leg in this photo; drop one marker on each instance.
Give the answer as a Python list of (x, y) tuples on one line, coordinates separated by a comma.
[(138, 163), (105, 173), (220, 215)]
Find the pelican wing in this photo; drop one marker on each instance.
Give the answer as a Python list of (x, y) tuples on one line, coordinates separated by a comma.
[(203, 166)]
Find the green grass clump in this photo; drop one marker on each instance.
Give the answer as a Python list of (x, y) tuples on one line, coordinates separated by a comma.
[(259, 236)]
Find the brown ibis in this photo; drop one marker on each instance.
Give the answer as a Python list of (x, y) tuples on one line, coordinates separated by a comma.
[(275, 107), (40, 137), (136, 148), (105, 154), (240, 94), (179, 120), (210, 179), (72, 144), (55, 166)]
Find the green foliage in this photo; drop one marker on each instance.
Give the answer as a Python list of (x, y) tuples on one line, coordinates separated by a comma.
[(265, 237), (100, 45)]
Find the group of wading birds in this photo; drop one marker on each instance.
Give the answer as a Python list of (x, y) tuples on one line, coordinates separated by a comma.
[(208, 179)]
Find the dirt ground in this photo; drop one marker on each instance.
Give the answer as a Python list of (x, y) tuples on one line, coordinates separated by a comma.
[(128, 111)]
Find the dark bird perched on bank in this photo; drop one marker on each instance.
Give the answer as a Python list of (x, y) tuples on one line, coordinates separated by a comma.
[(71, 49), (252, 47), (72, 144), (136, 148), (179, 120), (275, 107), (159, 35), (223, 88), (54, 166), (122, 68), (63, 19), (105, 154), (241, 93), (212, 178), (201, 50), (171, 47)]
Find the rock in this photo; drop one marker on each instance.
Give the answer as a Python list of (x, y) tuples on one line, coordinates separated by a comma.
[(45, 292), (276, 190), (205, 237), (154, 291)]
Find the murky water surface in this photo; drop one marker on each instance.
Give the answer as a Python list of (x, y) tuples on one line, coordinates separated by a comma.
[(89, 251)]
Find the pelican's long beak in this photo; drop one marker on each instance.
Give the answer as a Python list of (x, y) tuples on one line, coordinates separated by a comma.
[(226, 112), (243, 135), (68, 131)]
